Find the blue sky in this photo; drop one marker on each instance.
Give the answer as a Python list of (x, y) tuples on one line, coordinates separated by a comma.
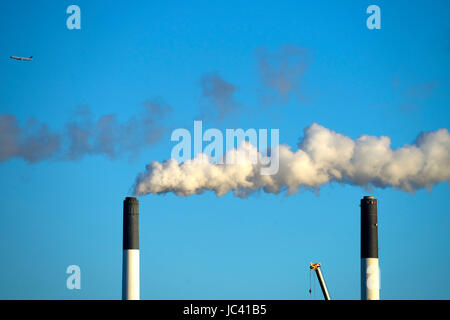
[(393, 82)]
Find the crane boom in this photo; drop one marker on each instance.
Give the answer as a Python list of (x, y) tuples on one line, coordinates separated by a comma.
[(323, 286)]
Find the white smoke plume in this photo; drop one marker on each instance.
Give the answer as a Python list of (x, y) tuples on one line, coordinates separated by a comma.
[(323, 156)]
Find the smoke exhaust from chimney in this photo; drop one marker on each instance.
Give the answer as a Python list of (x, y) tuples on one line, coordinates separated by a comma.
[(323, 156)]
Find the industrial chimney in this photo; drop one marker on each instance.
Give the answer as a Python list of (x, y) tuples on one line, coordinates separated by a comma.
[(130, 271), (370, 272)]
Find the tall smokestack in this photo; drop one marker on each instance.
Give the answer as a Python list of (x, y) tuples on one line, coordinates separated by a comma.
[(370, 272), (130, 272)]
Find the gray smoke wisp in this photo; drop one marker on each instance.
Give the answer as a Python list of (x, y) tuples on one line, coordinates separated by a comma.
[(281, 72), (217, 96), (323, 156), (33, 142), (82, 135)]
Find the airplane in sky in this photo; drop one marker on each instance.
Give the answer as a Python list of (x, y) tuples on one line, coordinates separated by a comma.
[(21, 58)]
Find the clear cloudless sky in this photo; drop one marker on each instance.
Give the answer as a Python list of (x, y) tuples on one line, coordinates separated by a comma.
[(358, 81)]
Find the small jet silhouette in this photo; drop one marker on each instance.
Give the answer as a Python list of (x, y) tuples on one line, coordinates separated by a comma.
[(21, 58)]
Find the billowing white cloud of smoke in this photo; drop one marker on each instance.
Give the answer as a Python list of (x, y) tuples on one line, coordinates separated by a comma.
[(323, 156)]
